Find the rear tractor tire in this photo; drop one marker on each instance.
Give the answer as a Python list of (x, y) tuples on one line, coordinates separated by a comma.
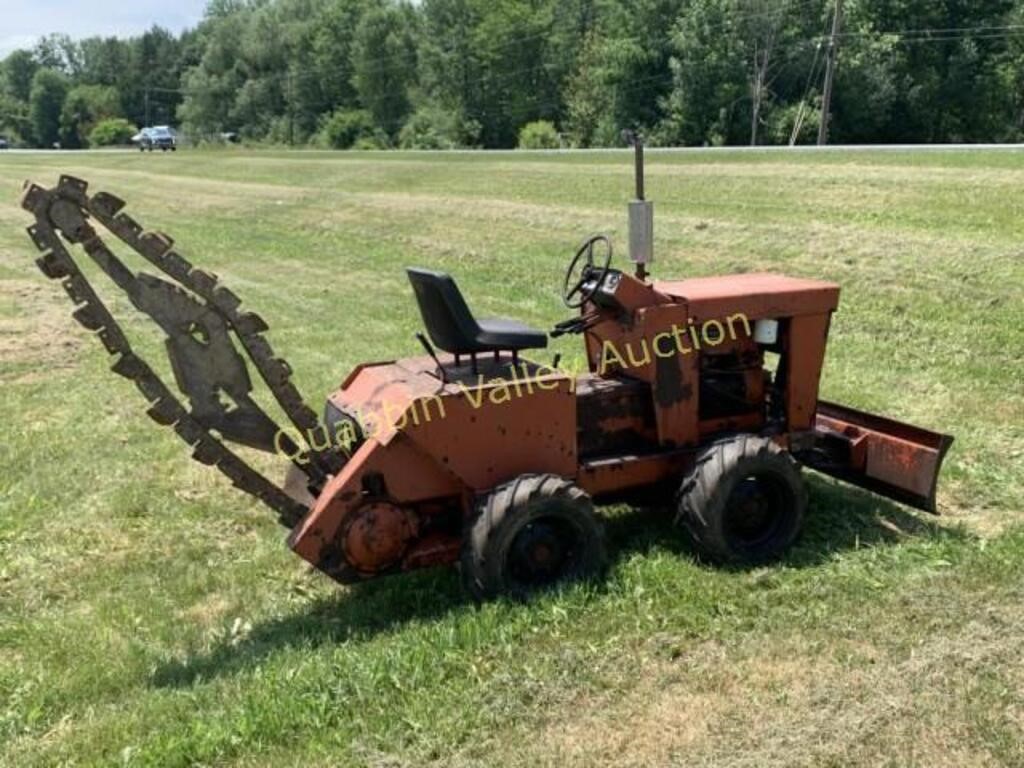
[(530, 534), (744, 501)]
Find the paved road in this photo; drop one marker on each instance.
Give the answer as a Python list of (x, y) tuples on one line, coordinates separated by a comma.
[(666, 150)]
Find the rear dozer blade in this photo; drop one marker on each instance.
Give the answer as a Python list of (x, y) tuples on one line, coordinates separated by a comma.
[(204, 328), (893, 459)]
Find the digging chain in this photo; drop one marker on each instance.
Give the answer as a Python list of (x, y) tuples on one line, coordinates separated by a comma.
[(66, 210)]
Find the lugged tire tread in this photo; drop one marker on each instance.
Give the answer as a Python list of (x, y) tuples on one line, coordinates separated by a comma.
[(701, 497), (492, 511)]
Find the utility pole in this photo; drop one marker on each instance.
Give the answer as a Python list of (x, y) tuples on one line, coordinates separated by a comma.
[(146, 100), (291, 107), (756, 92), (830, 73)]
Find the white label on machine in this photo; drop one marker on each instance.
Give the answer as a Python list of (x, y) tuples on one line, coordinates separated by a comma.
[(766, 331)]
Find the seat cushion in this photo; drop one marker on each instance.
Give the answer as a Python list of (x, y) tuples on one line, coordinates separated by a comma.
[(502, 333)]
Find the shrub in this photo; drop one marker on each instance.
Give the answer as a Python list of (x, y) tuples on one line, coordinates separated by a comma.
[(376, 141), (540, 134), (430, 128), (345, 127), (112, 131)]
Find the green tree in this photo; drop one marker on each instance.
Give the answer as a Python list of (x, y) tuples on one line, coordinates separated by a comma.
[(14, 122), (83, 107), (58, 51), (384, 64), (211, 84), (588, 98), (46, 99), (16, 73)]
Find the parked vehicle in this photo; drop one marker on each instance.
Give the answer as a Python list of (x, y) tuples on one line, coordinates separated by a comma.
[(160, 137), (3, 142)]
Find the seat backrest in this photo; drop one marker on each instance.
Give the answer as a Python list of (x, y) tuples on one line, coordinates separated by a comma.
[(449, 322)]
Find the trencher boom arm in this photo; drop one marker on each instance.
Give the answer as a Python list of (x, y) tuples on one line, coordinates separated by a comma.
[(199, 317)]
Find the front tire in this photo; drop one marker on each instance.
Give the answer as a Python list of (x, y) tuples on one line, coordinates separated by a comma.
[(530, 534), (744, 501)]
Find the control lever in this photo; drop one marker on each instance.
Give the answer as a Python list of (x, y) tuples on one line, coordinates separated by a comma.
[(430, 351), (575, 324)]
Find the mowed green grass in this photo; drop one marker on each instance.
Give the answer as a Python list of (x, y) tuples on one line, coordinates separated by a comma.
[(151, 615)]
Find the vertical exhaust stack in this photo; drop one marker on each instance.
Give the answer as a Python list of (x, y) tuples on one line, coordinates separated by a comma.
[(641, 214)]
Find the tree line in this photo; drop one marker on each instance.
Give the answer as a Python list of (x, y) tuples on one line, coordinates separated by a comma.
[(502, 73)]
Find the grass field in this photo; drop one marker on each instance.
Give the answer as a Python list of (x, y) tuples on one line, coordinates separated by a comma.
[(150, 615)]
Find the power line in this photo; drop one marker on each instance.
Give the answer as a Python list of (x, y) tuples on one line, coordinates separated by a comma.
[(929, 30)]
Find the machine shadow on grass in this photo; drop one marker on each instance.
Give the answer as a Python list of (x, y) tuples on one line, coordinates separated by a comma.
[(839, 518)]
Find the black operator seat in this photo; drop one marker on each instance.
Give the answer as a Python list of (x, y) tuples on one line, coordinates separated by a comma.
[(453, 328)]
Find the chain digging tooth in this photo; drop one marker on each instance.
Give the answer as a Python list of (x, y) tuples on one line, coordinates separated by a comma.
[(128, 229), (105, 205), (155, 245), (89, 317), (53, 265), (34, 198), (42, 237), (250, 324), (278, 372), (189, 431), (203, 283), (208, 452), (226, 301), (234, 469), (166, 412), (112, 339), (176, 266), (77, 288), (151, 387), (73, 188)]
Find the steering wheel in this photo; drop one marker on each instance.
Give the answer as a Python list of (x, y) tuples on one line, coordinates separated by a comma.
[(582, 270)]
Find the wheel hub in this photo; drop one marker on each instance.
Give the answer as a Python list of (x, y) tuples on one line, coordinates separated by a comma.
[(540, 552), (755, 509)]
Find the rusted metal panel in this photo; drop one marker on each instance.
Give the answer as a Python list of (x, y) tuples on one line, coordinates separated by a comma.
[(755, 295), (429, 439), (804, 356), (614, 415), (398, 475), (608, 477), (673, 377), (891, 458), (494, 432)]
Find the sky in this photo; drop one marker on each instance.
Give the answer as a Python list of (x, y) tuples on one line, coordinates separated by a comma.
[(22, 22)]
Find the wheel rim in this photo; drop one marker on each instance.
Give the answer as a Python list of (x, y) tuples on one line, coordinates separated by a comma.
[(757, 510), (543, 552)]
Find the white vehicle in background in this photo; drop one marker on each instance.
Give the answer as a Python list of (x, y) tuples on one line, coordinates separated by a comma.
[(160, 137)]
